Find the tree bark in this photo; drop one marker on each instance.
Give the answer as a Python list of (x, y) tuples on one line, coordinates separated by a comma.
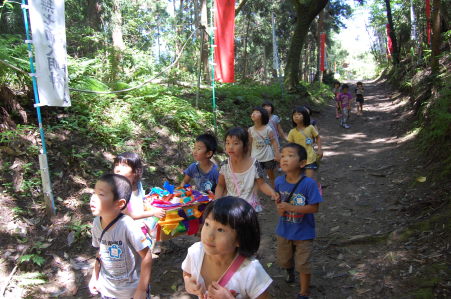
[(395, 53), (245, 48), (94, 14), (118, 40), (436, 35), (306, 11)]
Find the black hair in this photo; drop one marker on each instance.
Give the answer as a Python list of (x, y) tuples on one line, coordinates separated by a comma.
[(344, 86), (240, 216), (264, 114), (270, 104), (308, 109), (132, 160), (337, 82), (120, 186), (241, 134), (359, 83), (302, 153), (210, 142), (305, 116)]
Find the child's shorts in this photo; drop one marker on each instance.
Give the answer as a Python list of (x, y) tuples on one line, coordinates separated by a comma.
[(359, 98), (147, 295), (294, 254), (268, 164), (313, 165)]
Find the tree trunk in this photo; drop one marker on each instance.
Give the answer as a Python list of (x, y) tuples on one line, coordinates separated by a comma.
[(93, 14), (205, 52), (306, 11), (118, 40), (395, 53), (245, 48), (436, 35)]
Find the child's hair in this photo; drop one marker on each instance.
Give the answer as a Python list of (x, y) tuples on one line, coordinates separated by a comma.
[(240, 216), (264, 114), (305, 116), (344, 86), (120, 186), (132, 160), (270, 104), (241, 134), (302, 153), (359, 83), (210, 142), (308, 109), (337, 82)]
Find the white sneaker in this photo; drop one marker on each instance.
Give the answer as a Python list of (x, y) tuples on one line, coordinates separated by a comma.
[(346, 126)]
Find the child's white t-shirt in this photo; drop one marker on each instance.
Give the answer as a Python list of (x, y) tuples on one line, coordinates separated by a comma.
[(242, 184), (249, 281), (261, 144)]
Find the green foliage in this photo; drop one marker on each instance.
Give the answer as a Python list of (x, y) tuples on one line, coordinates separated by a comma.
[(80, 230), (35, 255), (31, 278), (13, 51)]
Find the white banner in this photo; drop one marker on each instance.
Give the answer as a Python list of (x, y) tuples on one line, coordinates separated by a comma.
[(49, 41)]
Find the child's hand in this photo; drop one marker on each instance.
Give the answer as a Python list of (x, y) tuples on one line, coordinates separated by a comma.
[(275, 196), (93, 286), (277, 157), (319, 153), (193, 287), (282, 208), (160, 213), (215, 291), (140, 294)]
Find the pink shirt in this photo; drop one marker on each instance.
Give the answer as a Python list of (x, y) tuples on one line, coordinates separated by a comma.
[(345, 99)]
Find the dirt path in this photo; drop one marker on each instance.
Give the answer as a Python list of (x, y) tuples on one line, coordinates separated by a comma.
[(361, 192)]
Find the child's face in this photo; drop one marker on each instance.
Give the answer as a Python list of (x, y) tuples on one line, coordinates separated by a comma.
[(217, 238), (234, 146), (298, 118), (268, 108), (200, 151), (289, 160), (125, 170), (337, 85), (102, 202), (256, 116)]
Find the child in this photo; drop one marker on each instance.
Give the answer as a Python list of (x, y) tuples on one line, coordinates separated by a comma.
[(274, 122), (130, 165), (265, 148), (336, 94), (303, 133), (344, 101), (203, 172), (295, 231), (359, 97), (221, 265), (240, 175), (123, 264)]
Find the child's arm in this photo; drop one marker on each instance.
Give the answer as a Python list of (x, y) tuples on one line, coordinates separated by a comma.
[(266, 189), (275, 146), (220, 187), (144, 278), (307, 209), (155, 212), (320, 147), (185, 180), (95, 276), (281, 132), (191, 285)]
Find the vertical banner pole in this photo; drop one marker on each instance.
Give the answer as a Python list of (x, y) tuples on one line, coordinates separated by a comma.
[(212, 62), (43, 164)]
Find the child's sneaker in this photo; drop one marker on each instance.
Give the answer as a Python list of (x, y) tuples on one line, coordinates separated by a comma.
[(299, 296), (346, 126), (290, 276)]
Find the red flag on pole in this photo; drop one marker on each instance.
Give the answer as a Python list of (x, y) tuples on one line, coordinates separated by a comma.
[(322, 46), (389, 41), (225, 41), (428, 20)]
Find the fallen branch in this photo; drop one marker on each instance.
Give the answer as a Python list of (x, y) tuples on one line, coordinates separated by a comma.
[(2, 292)]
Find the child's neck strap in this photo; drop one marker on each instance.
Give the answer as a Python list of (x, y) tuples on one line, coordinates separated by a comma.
[(236, 264), (109, 225)]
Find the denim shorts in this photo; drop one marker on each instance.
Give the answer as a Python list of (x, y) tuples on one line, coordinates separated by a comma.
[(313, 165)]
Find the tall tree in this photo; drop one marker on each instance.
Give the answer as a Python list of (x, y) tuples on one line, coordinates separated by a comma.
[(306, 11), (395, 53), (436, 35), (117, 37)]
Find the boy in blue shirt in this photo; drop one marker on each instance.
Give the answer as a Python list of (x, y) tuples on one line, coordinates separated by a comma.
[(204, 173), (299, 200)]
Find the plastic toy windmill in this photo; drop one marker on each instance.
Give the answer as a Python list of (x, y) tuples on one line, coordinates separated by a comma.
[(184, 208)]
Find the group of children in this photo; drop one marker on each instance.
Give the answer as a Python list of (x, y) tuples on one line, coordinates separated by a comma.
[(343, 102), (223, 263)]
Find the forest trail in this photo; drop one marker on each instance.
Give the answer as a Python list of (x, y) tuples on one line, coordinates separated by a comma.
[(361, 173)]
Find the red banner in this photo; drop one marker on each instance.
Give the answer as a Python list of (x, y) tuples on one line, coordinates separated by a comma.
[(322, 46), (428, 20), (225, 41), (389, 41)]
